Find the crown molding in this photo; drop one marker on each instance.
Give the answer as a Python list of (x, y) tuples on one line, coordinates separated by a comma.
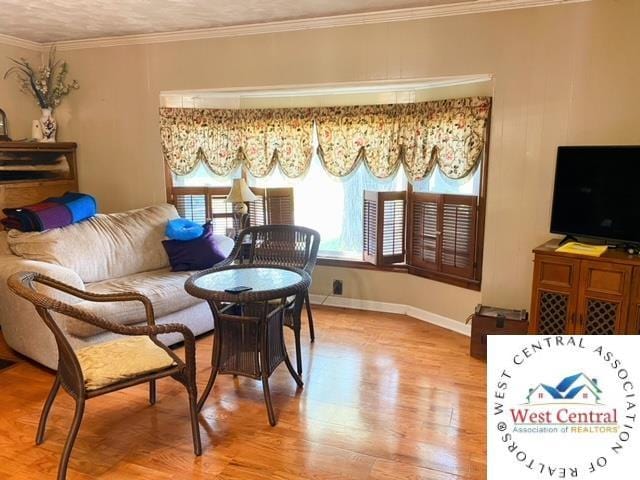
[(19, 42), (386, 16)]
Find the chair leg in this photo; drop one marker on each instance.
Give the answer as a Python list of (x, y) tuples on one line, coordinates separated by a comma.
[(296, 335), (152, 392), (73, 433), (312, 332), (46, 409), (267, 399), (193, 414)]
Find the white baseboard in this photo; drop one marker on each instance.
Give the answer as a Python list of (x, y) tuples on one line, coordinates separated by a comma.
[(385, 307)]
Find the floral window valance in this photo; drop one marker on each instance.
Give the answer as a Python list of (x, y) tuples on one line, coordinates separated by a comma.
[(447, 133), (224, 138)]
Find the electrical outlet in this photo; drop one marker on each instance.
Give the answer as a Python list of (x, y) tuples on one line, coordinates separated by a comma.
[(337, 287)]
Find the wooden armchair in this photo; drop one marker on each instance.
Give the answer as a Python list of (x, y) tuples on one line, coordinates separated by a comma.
[(93, 371), (287, 245)]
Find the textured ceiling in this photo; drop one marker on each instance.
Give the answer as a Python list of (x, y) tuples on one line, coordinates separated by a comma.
[(58, 20)]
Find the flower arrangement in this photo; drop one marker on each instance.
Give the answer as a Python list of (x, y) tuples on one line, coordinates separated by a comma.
[(47, 84)]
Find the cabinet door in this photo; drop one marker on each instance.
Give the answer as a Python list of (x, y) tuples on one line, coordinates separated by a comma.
[(554, 296), (633, 321), (554, 313), (604, 298)]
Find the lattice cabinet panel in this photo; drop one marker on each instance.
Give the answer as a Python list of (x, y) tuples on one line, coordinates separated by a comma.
[(553, 313), (601, 317)]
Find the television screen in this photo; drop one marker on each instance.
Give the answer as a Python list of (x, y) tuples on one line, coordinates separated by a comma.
[(597, 192)]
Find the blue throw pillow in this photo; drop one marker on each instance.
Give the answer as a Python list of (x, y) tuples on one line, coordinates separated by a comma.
[(183, 229), (197, 254)]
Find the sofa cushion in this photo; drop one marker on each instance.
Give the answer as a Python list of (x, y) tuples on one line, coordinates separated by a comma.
[(164, 288), (135, 356), (103, 247), (199, 253)]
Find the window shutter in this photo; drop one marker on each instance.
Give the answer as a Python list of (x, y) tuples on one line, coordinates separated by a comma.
[(370, 227), (383, 227), (424, 251), (257, 208), (220, 211), (280, 206), (459, 234), (443, 234), (191, 203)]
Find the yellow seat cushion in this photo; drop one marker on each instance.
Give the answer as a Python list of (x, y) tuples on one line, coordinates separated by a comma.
[(110, 362)]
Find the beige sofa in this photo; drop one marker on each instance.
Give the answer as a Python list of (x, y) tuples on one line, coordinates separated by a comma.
[(108, 253)]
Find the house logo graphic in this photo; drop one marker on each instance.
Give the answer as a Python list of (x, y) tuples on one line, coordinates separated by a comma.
[(574, 389)]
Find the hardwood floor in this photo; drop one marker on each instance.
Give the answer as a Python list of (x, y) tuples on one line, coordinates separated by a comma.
[(385, 397)]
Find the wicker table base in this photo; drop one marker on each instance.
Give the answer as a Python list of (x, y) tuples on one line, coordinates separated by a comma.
[(248, 336), (251, 345)]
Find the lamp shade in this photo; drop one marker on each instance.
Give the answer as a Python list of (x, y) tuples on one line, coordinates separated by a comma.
[(240, 192)]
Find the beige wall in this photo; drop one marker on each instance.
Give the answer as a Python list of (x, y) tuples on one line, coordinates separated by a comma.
[(563, 75), (20, 108)]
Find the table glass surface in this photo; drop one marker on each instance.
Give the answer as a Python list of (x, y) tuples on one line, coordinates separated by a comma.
[(259, 279)]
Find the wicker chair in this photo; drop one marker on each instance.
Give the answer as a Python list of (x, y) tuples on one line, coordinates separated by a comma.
[(287, 245), (88, 372)]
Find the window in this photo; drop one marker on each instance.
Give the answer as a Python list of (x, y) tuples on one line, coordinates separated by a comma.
[(432, 226), (332, 206), (200, 204), (435, 227)]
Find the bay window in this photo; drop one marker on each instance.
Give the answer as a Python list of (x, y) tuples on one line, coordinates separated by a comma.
[(394, 186)]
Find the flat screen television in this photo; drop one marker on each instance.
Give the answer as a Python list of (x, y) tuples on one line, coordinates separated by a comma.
[(597, 193)]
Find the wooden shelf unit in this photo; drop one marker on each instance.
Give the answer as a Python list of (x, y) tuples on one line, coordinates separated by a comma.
[(31, 172), (579, 294)]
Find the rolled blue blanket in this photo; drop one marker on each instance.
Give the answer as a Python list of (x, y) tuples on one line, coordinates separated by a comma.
[(183, 229), (53, 212), (81, 205)]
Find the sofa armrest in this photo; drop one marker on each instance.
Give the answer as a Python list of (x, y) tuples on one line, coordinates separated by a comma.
[(10, 264), (22, 327)]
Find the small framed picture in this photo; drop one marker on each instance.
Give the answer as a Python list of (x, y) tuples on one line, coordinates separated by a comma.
[(4, 132)]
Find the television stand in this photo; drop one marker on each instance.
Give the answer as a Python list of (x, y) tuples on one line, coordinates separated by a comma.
[(585, 295)]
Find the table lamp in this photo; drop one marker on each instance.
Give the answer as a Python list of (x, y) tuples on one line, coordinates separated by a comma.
[(240, 194)]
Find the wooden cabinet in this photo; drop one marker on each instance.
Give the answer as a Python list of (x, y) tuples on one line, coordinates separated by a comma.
[(633, 322), (575, 294), (30, 172)]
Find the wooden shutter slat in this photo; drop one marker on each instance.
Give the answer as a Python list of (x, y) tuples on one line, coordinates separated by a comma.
[(425, 231), (192, 206), (221, 211), (280, 206), (443, 234), (201, 204), (391, 242), (370, 227), (458, 234), (258, 208), (383, 227)]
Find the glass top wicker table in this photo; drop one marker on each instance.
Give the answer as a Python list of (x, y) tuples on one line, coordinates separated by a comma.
[(248, 337)]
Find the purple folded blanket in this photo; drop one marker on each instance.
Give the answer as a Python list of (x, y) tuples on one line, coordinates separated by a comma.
[(51, 213)]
